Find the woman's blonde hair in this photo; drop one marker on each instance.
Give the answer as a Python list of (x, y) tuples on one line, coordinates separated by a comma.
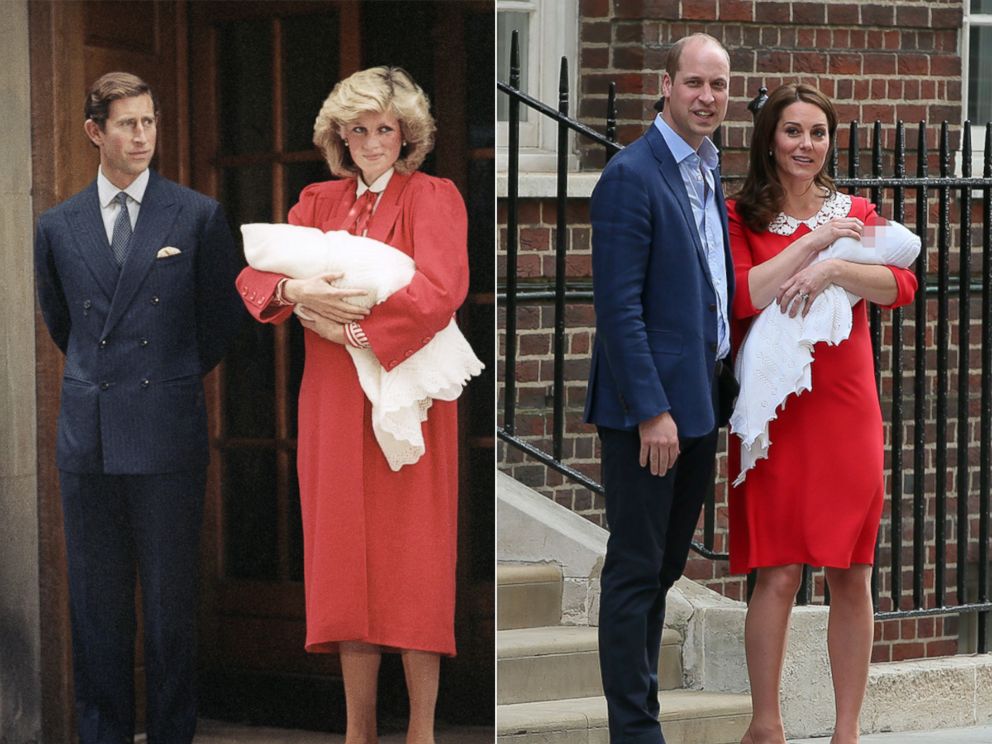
[(378, 89)]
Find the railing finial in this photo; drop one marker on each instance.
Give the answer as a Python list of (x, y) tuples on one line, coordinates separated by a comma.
[(758, 102)]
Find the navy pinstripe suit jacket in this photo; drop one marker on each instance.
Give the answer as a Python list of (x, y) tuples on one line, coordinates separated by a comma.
[(137, 339)]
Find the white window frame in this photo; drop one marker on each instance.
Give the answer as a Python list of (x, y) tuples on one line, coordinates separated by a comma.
[(553, 34), (969, 21)]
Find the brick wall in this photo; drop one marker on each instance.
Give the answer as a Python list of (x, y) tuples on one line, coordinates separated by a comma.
[(884, 63)]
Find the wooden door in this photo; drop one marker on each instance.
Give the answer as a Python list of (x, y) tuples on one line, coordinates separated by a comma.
[(258, 74)]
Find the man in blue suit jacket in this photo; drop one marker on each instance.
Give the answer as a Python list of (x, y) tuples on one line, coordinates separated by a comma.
[(662, 280), (136, 285)]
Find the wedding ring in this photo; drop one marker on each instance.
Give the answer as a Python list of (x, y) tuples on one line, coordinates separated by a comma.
[(804, 296)]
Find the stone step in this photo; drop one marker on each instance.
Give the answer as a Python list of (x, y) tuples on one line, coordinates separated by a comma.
[(555, 663), (687, 717), (528, 596)]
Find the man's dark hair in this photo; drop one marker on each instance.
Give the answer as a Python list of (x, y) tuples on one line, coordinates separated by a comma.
[(111, 87)]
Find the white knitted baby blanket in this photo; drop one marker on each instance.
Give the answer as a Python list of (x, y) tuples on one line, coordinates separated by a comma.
[(401, 397)]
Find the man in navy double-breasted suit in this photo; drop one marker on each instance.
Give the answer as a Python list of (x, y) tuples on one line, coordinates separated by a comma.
[(136, 284), (662, 281)]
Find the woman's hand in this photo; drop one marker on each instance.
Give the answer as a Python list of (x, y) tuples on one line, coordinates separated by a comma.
[(318, 294), (323, 327), (804, 286), (840, 227)]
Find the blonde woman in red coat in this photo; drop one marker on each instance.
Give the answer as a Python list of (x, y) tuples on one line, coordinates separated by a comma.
[(379, 545)]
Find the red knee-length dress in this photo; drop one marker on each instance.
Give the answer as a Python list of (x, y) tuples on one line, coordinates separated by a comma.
[(817, 498), (379, 545)]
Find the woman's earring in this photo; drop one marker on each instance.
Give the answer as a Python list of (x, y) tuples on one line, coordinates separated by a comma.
[(404, 143), (770, 153), (344, 142)]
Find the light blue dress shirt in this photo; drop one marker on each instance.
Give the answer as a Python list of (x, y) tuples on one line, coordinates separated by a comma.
[(697, 168)]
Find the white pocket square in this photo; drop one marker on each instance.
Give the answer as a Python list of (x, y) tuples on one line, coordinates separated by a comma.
[(167, 251)]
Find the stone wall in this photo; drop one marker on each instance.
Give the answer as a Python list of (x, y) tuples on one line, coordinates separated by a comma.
[(20, 644)]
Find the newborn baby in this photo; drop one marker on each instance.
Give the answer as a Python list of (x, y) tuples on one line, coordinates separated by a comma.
[(775, 359), (400, 397)]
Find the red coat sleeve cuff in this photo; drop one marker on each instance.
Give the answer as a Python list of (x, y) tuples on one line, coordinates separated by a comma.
[(258, 291)]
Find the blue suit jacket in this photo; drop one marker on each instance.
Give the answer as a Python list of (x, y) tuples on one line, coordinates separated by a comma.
[(137, 339), (655, 303)]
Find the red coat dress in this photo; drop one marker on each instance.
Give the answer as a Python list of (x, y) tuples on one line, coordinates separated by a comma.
[(379, 546), (817, 498)]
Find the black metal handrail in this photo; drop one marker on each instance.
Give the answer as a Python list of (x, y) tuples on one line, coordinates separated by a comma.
[(563, 291)]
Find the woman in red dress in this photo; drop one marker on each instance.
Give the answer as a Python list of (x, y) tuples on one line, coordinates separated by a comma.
[(379, 545), (817, 498)]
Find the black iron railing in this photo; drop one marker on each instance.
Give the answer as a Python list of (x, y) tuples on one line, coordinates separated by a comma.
[(935, 288)]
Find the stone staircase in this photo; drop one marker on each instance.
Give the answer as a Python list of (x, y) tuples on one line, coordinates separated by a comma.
[(549, 689)]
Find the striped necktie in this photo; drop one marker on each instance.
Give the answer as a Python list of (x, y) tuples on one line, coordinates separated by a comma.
[(360, 213), (122, 230)]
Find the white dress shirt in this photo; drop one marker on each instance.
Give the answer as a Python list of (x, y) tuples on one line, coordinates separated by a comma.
[(107, 193), (697, 168)]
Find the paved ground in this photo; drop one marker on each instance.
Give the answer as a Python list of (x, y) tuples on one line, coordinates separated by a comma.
[(215, 732), (979, 735)]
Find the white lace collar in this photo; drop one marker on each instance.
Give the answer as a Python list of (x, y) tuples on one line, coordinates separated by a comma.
[(838, 205)]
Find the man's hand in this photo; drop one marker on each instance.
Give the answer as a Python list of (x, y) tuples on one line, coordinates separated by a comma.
[(323, 327), (659, 443), (320, 295)]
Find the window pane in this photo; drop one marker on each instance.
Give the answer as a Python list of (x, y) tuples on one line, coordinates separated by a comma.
[(506, 24), (980, 75), (249, 406), (249, 485), (246, 93), (310, 64), (981, 6), (301, 175), (479, 30)]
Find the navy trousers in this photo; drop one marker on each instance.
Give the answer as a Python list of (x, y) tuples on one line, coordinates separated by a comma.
[(115, 526), (651, 521)]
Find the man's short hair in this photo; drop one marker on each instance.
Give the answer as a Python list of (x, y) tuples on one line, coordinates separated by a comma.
[(675, 53), (111, 87)]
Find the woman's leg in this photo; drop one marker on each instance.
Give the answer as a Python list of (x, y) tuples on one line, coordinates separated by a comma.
[(850, 634), (422, 670), (766, 631), (360, 668)]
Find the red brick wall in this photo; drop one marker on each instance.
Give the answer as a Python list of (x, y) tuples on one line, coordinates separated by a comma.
[(887, 63), (882, 61)]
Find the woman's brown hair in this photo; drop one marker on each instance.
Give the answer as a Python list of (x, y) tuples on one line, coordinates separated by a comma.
[(762, 196)]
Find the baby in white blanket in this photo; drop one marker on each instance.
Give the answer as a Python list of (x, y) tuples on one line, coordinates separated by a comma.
[(775, 359), (400, 397)]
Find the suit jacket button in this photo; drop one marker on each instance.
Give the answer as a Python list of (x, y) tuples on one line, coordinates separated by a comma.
[(154, 299), (712, 308), (143, 342), (105, 386), (87, 304), (712, 347), (145, 383), (103, 344)]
